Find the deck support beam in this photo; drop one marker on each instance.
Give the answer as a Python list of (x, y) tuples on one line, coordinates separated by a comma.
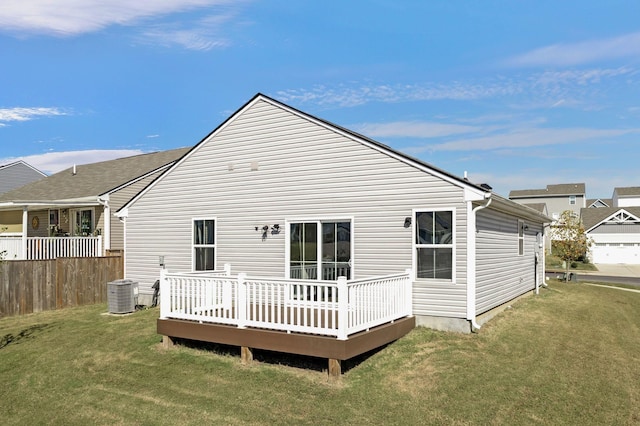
[(335, 368), (246, 355), (167, 342)]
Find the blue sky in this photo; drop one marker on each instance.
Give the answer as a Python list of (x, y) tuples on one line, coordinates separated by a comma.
[(519, 94)]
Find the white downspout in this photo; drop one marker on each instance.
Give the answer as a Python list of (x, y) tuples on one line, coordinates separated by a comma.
[(471, 260), (106, 218)]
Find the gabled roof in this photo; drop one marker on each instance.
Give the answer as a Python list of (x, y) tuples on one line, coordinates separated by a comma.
[(479, 191), (591, 217), (599, 202), (540, 207), (563, 189), (91, 180), (14, 175), (629, 191), (23, 163)]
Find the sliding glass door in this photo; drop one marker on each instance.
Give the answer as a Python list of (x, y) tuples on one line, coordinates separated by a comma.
[(325, 261)]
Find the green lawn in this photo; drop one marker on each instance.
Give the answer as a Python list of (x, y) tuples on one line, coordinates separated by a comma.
[(568, 356)]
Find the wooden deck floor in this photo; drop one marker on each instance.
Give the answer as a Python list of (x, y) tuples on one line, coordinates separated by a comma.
[(295, 343)]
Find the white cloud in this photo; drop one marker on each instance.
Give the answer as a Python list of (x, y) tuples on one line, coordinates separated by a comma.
[(525, 137), (71, 17), (544, 89), (413, 129), (571, 54), (204, 34), (53, 162), (26, 114)]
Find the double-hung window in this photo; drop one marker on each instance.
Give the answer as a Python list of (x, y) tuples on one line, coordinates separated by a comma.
[(434, 244), (204, 245), (521, 227)]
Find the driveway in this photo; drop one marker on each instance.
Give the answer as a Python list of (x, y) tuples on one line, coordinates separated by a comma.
[(616, 270)]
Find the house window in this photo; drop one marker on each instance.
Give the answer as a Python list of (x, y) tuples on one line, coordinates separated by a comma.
[(521, 238), (434, 244), (204, 245), (83, 222), (327, 260), (572, 199)]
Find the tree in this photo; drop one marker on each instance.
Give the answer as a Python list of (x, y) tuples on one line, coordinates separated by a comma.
[(570, 240)]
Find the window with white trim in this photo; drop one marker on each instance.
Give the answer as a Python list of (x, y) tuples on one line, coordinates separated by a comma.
[(329, 259), (204, 244), (83, 222), (572, 199), (520, 238), (434, 244)]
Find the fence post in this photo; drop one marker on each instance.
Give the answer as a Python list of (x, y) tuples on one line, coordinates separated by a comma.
[(343, 306), (227, 269), (165, 295), (242, 300)]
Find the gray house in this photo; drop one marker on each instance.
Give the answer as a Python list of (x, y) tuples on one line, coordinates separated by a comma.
[(16, 174), (614, 227), (558, 198), (70, 213), (275, 192)]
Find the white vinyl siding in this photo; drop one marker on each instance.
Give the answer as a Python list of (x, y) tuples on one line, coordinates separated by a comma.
[(267, 166), (501, 274)]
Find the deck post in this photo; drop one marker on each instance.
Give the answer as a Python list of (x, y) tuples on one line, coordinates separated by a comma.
[(335, 368), (343, 305), (167, 342), (227, 269), (246, 355), (409, 294), (242, 300), (165, 295)]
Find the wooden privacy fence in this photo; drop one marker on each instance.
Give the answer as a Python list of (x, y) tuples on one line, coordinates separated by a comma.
[(28, 286)]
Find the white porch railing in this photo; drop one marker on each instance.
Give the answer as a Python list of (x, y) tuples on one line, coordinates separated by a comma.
[(331, 308), (42, 248)]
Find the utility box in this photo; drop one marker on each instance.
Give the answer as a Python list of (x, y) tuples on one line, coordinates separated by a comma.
[(121, 296)]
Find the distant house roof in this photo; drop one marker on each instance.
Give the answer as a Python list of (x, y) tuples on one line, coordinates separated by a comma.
[(541, 207), (591, 217), (550, 190), (599, 202), (14, 175), (629, 191), (91, 179)]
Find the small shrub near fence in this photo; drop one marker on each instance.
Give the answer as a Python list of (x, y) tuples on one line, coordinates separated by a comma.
[(28, 286)]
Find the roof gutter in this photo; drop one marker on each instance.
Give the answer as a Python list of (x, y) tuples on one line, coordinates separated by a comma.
[(471, 259)]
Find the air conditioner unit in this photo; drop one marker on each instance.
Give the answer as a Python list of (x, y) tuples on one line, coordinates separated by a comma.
[(121, 296)]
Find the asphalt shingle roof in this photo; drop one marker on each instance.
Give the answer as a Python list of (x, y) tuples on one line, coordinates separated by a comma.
[(92, 179), (628, 191), (591, 217), (560, 189)]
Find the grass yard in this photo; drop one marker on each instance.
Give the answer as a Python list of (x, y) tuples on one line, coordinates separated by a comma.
[(568, 356)]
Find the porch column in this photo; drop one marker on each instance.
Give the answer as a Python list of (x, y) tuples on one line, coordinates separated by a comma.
[(25, 228)]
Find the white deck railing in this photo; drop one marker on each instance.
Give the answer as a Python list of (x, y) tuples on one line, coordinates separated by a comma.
[(331, 308), (42, 248)]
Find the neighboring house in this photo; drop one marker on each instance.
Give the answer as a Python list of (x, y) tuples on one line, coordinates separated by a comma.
[(615, 229), (275, 192), (558, 198), (599, 203), (626, 197), (71, 212), (16, 174)]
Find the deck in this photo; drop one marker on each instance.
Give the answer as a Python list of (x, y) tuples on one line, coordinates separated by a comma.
[(336, 320)]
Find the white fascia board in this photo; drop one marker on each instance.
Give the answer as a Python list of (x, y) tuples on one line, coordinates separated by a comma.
[(606, 219), (518, 210)]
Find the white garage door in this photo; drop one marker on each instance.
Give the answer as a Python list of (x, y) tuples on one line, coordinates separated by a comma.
[(616, 253)]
